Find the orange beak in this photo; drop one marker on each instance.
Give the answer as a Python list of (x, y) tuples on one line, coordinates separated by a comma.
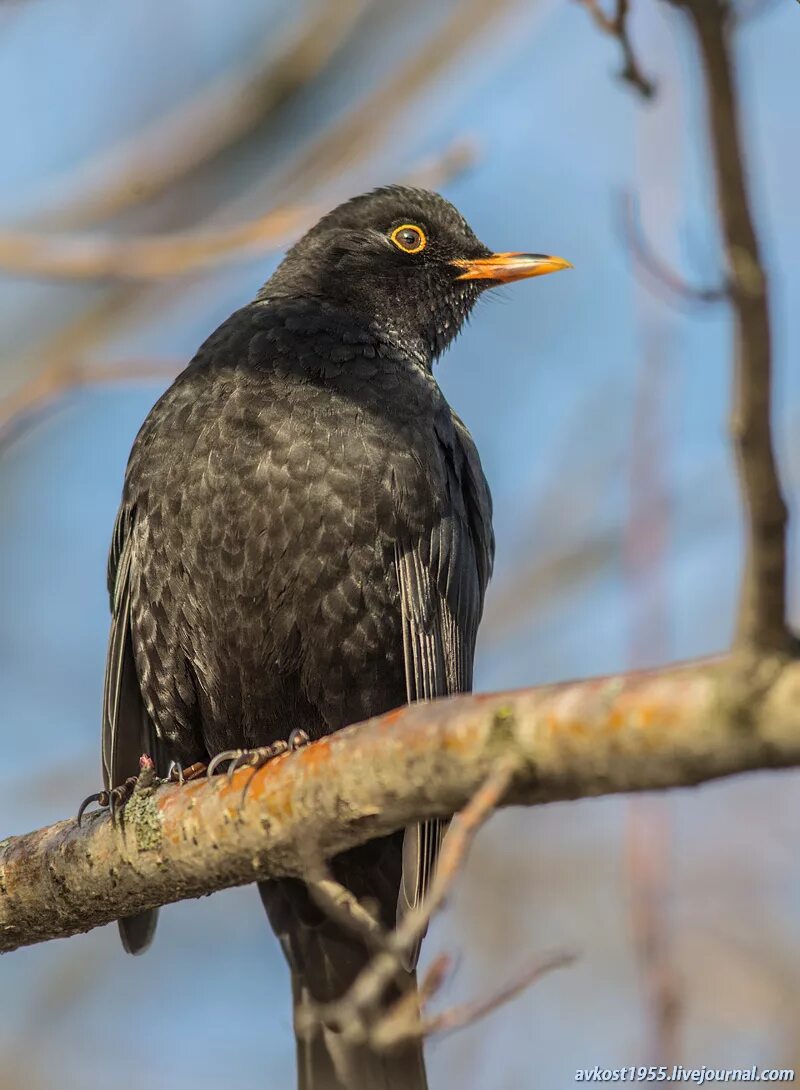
[(507, 267)]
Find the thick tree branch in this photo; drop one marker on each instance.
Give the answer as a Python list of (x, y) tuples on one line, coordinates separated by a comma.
[(662, 729)]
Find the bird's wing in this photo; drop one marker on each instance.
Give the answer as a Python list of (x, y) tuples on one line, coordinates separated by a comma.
[(127, 729), (442, 579)]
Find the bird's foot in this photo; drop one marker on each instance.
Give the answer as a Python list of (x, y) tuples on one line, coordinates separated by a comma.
[(113, 799), (256, 758), (246, 758), (178, 774)]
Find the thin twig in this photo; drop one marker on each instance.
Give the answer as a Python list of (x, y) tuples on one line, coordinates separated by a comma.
[(616, 26), (434, 978), (402, 1021), (465, 1014), (453, 852), (404, 1024), (361, 1017), (350, 1013), (343, 907), (659, 273)]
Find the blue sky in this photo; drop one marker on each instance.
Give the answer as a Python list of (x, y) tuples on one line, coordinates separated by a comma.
[(546, 376)]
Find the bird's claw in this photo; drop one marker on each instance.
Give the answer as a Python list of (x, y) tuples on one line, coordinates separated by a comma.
[(256, 758), (100, 797), (178, 774), (297, 739), (247, 758), (215, 762), (112, 800)]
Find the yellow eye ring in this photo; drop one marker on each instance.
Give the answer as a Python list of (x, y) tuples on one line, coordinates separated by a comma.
[(414, 240)]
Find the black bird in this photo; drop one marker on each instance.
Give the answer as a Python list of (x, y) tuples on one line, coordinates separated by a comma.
[(304, 541)]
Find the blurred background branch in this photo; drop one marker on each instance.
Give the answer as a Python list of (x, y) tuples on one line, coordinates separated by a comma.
[(156, 123), (210, 122), (153, 258), (97, 258), (654, 268), (617, 26), (19, 409)]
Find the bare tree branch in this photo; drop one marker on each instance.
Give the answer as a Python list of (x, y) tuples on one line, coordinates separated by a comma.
[(653, 730), (655, 268), (202, 128), (87, 257), (360, 1016), (467, 1013), (405, 1022), (762, 610), (97, 257), (366, 1015), (648, 864), (25, 405), (648, 819), (345, 145), (616, 26), (170, 255), (762, 624), (343, 907)]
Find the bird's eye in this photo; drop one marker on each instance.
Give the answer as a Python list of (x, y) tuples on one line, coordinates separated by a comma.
[(409, 238)]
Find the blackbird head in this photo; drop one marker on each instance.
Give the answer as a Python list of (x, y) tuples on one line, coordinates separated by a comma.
[(404, 260)]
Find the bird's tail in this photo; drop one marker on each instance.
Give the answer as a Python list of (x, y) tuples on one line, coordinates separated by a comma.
[(137, 931), (325, 1062), (324, 961)]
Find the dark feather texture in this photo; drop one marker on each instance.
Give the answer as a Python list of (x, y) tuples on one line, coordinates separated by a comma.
[(128, 731), (305, 541)]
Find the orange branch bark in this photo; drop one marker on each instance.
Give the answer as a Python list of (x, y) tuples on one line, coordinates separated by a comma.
[(662, 729)]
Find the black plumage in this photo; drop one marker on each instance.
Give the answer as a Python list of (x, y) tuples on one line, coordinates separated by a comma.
[(305, 540)]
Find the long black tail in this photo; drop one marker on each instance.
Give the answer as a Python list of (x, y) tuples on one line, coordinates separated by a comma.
[(137, 931), (324, 961), (324, 1063)]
